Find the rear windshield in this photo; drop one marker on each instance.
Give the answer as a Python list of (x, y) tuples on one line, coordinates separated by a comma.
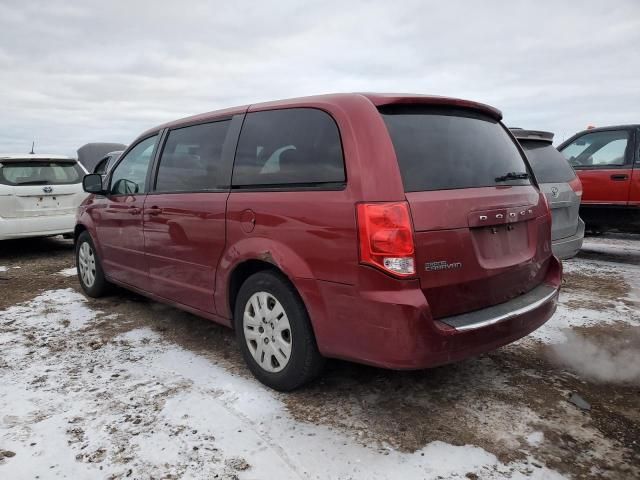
[(45, 172), (547, 163), (448, 148)]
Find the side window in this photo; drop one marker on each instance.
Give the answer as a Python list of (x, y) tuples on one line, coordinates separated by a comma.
[(598, 149), (101, 167), (130, 175), (297, 146), (191, 160)]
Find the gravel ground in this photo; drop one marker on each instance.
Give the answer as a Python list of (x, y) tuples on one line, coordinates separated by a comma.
[(123, 387)]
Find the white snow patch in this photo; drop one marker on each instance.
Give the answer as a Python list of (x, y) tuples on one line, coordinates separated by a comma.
[(68, 272), (565, 319), (144, 404), (535, 438), (51, 310), (558, 328), (615, 244)]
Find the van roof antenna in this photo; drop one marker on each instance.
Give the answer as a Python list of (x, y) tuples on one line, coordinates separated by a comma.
[(33, 144)]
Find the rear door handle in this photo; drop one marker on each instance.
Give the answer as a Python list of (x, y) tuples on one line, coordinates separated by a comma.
[(153, 210), (620, 177), (134, 210)]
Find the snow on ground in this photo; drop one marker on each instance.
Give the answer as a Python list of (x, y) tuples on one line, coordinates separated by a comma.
[(6, 269), (141, 406), (68, 272), (612, 266), (619, 292), (86, 393)]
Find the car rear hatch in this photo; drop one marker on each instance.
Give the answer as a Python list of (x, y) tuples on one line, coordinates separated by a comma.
[(42, 187), (481, 226), (565, 207), (557, 181)]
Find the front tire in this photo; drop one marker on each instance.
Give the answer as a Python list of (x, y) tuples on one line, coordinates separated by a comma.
[(90, 272), (274, 332)]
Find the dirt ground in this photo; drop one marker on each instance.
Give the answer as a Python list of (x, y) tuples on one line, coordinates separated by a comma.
[(521, 403)]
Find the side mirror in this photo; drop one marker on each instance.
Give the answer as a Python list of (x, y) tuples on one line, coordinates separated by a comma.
[(92, 183)]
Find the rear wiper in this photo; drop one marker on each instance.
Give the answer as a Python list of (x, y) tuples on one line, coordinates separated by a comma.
[(512, 176), (34, 182)]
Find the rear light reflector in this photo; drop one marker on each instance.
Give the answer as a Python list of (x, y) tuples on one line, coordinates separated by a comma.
[(576, 186), (386, 237)]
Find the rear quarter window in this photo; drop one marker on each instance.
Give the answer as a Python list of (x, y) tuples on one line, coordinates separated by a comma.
[(289, 147), (450, 148), (547, 163)]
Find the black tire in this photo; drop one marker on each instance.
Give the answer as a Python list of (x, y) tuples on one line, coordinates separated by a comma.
[(100, 285), (304, 362)]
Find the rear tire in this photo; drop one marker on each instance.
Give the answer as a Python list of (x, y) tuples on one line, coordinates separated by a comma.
[(274, 332), (89, 268)]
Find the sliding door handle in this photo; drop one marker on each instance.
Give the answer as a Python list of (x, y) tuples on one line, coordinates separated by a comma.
[(153, 210)]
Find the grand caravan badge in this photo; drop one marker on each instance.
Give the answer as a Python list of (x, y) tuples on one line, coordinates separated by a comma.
[(441, 265)]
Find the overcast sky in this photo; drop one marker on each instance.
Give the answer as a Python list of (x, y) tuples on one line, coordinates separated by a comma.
[(83, 71)]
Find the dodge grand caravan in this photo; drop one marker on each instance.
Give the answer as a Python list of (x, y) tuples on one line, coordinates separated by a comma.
[(398, 231)]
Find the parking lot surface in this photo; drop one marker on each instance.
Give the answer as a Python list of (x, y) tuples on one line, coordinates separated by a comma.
[(123, 387)]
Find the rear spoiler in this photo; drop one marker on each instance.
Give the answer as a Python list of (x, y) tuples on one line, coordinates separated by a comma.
[(522, 134), (384, 99), (36, 160)]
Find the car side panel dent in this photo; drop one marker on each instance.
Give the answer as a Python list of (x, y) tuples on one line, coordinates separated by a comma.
[(267, 250)]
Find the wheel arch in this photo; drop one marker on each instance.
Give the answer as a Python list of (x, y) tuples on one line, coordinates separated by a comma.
[(241, 272), (85, 224), (79, 228)]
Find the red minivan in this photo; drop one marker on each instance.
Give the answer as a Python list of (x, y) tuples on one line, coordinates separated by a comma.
[(401, 231)]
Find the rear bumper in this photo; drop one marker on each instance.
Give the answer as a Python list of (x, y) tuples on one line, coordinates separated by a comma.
[(503, 312), (393, 327), (36, 226), (568, 247)]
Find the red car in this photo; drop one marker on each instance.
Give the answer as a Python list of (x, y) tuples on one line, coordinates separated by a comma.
[(607, 160), (398, 231)]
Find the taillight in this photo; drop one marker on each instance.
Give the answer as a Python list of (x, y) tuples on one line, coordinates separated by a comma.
[(576, 186), (386, 237)]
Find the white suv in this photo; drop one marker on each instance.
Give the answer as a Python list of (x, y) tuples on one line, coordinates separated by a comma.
[(39, 195)]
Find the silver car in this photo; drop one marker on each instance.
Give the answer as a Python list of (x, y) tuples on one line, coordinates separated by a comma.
[(107, 162), (561, 187)]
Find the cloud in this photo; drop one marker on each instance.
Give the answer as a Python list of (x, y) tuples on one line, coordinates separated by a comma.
[(106, 71)]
